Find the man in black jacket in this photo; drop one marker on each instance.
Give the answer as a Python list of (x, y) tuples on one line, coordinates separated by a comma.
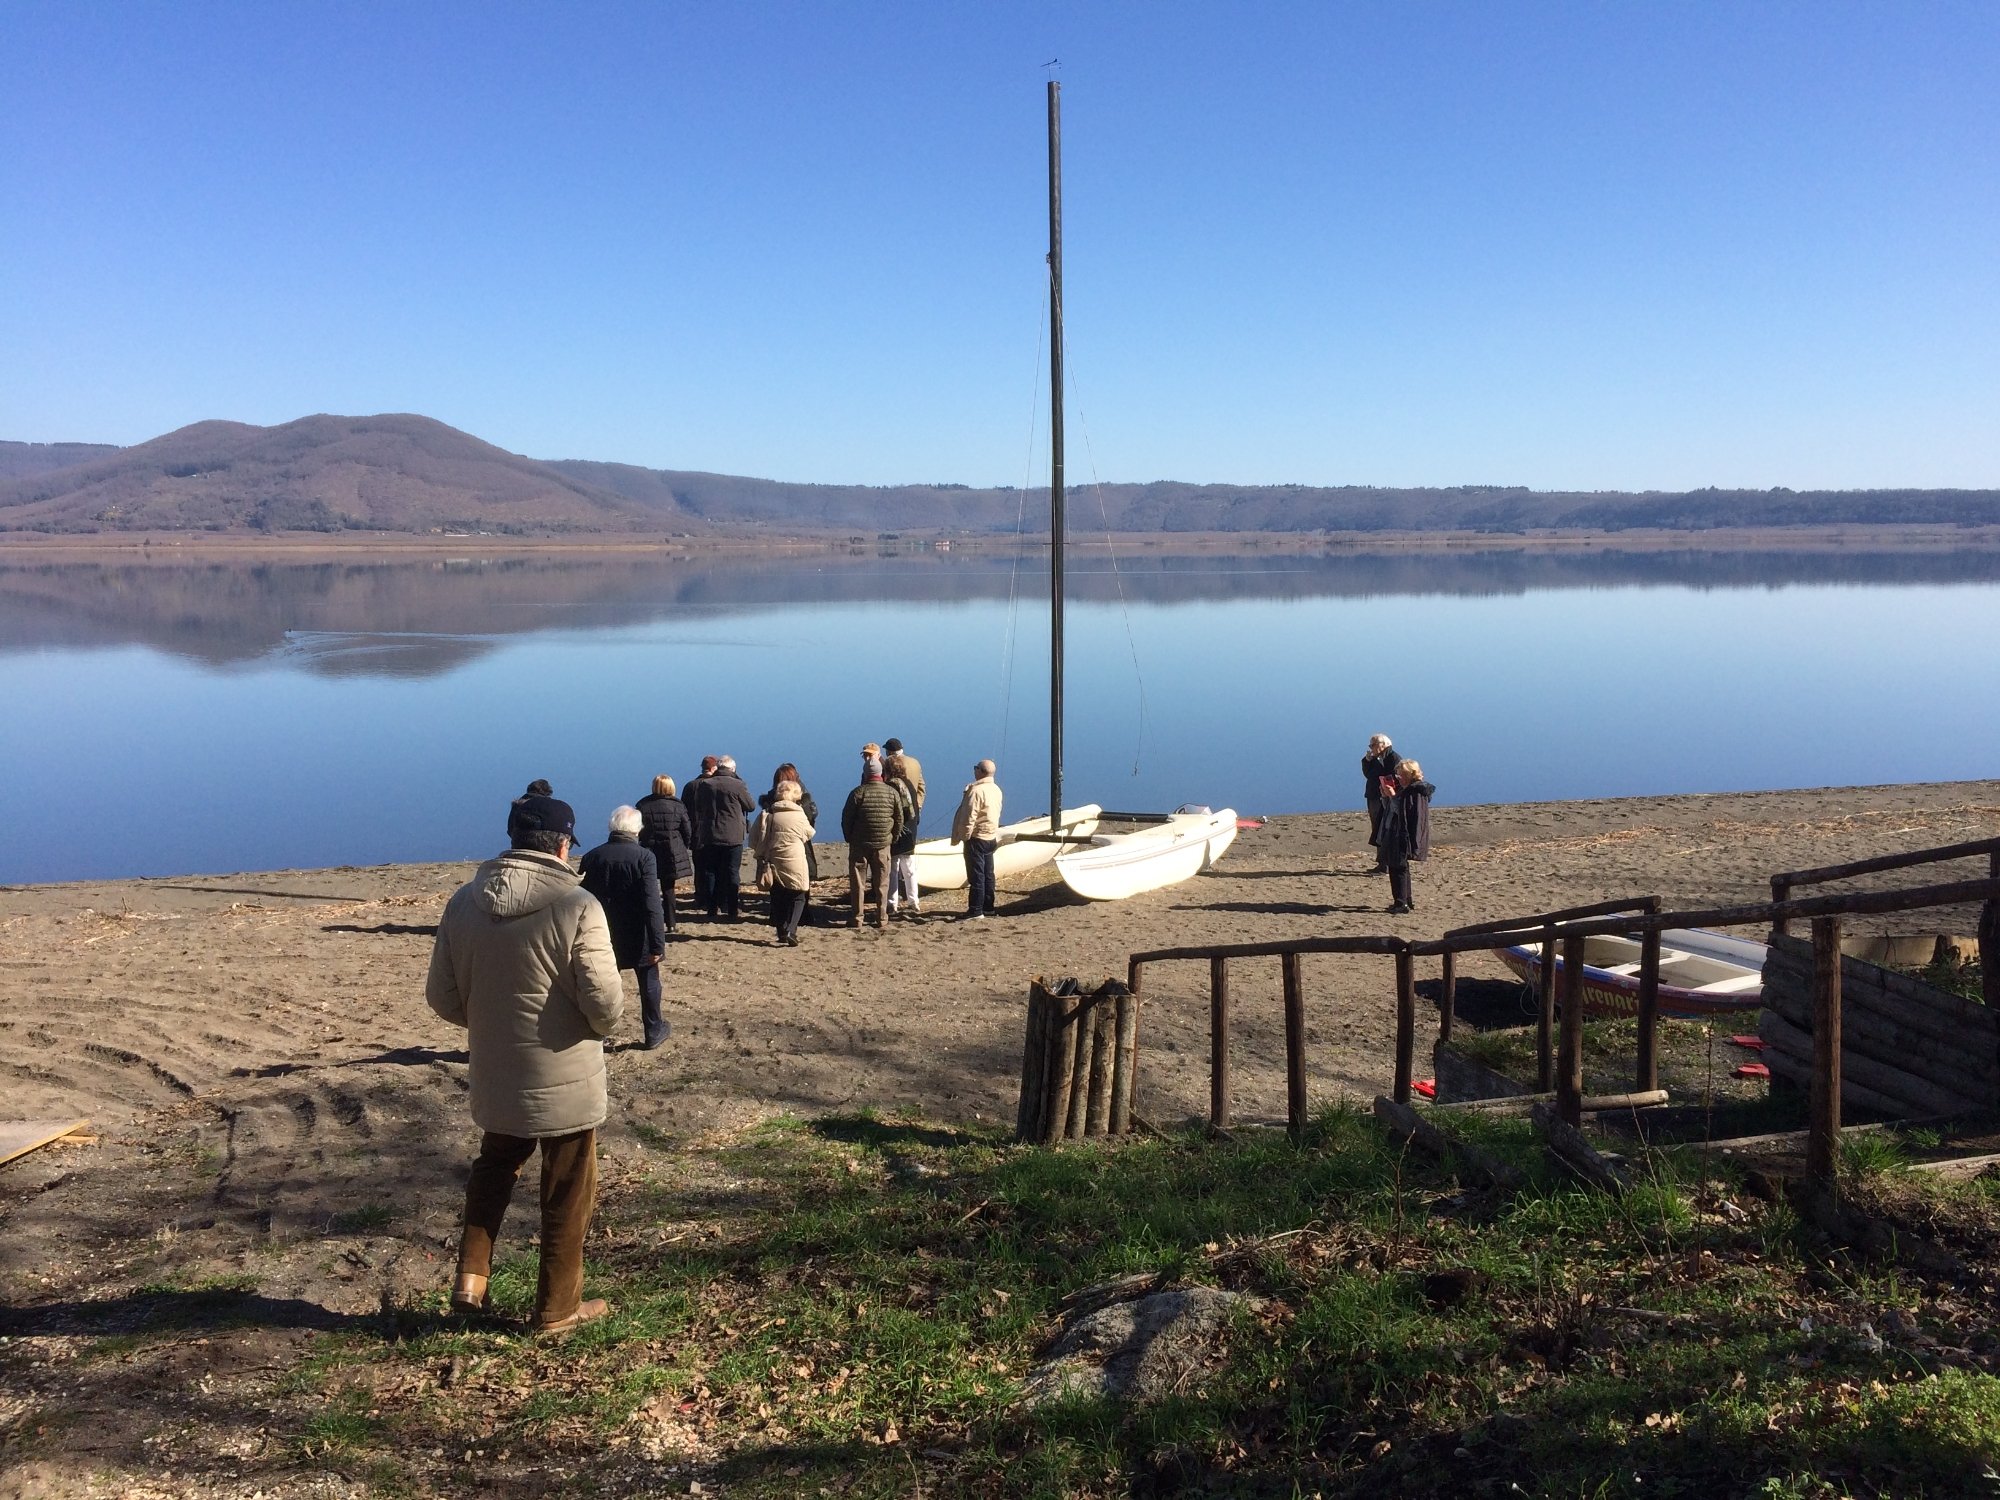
[(719, 805), (624, 877)]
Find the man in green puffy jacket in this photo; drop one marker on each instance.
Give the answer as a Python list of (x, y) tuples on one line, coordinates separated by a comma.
[(523, 961), (871, 821)]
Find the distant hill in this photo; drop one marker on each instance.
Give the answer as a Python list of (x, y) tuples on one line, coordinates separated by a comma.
[(413, 474), (387, 473)]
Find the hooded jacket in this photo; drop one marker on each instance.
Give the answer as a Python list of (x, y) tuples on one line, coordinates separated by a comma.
[(782, 836), (523, 961)]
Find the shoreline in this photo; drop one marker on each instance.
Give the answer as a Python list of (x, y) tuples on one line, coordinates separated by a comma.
[(1473, 823), (166, 547)]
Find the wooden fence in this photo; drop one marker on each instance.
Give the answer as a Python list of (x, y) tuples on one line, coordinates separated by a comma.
[(1565, 932)]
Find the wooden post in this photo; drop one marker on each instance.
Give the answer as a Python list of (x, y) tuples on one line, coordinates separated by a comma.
[(1545, 1018), (1079, 1073), (1448, 1000), (1781, 890), (1103, 1043), (1034, 1067), (1406, 1023), (1061, 1054), (1823, 1128), (1648, 1072), (1295, 1043), (1989, 939), (1569, 1063), (1218, 1043), (1127, 1062)]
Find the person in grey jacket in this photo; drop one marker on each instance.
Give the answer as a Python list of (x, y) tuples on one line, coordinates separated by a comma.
[(624, 877), (523, 961)]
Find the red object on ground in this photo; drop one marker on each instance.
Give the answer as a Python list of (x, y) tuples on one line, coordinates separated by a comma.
[(1754, 1043), (1425, 1086), (1249, 822), (1753, 1070)]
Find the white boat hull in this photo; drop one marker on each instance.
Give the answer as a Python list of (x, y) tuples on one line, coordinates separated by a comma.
[(940, 863), (1118, 865)]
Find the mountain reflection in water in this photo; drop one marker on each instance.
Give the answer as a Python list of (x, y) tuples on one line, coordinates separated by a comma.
[(411, 619)]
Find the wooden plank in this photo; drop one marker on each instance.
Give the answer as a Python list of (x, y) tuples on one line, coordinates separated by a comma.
[(1647, 1074), (1957, 1168), (1218, 1043), (1406, 1025), (1295, 1043), (19, 1137), (1823, 1131), (1569, 1054)]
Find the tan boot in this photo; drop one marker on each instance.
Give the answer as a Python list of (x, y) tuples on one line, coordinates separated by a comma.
[(587, 1311), (468, 1297)]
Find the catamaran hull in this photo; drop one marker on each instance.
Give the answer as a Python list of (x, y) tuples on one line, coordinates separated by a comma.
[(1118, 865), (1717, 973), (940, 863)]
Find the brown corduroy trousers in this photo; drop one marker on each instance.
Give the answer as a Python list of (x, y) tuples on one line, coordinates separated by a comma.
[(569, 1197)]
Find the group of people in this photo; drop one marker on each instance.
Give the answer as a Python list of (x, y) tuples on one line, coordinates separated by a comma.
[(528, 953), (1399, 816)]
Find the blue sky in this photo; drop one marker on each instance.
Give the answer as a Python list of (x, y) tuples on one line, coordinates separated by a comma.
[(1562, 245)]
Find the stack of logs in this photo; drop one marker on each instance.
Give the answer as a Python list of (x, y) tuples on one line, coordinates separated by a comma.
[(1077, 1062), (1907, 1049)]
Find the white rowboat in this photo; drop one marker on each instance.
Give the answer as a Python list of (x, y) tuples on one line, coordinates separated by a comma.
[(1702, 973), (940, 863), (1116, 865)]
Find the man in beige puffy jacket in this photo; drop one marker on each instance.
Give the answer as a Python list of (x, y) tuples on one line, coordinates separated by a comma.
[(523, 961)]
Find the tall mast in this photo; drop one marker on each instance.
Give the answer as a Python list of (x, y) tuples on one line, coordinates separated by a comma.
[(1055, 460)]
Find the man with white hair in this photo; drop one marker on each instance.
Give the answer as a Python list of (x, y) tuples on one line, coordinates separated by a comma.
[(1380, 760), (625, 878)]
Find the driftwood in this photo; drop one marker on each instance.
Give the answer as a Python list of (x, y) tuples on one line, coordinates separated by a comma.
[(1466, 1159), (1591, 1104), (1602, 1169), (1078, 1058)]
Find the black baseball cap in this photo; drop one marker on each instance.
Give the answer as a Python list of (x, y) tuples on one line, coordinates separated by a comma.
[(544, 815), (894, 747)]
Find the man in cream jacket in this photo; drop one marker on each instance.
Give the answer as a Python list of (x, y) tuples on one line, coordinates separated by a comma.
[(976, 825)]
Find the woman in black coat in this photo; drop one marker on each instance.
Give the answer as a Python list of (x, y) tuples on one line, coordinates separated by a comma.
[(1405, 833), (668, 832)]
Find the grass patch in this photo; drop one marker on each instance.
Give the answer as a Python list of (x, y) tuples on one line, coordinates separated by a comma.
[(849, 1307), (368, 1219)]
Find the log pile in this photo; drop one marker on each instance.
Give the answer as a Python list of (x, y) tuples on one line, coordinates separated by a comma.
[(1906, 1049), (1077, 1061)]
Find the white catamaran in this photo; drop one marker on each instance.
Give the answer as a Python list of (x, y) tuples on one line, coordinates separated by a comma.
[(1156, 849)]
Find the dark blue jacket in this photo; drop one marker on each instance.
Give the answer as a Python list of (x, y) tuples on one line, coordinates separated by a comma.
[(626, 882)]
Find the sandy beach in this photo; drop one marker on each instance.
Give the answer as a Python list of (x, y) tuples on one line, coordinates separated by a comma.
[(270, 1092)]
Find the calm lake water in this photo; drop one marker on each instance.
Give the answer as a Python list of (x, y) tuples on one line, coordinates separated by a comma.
[(168, 718)]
